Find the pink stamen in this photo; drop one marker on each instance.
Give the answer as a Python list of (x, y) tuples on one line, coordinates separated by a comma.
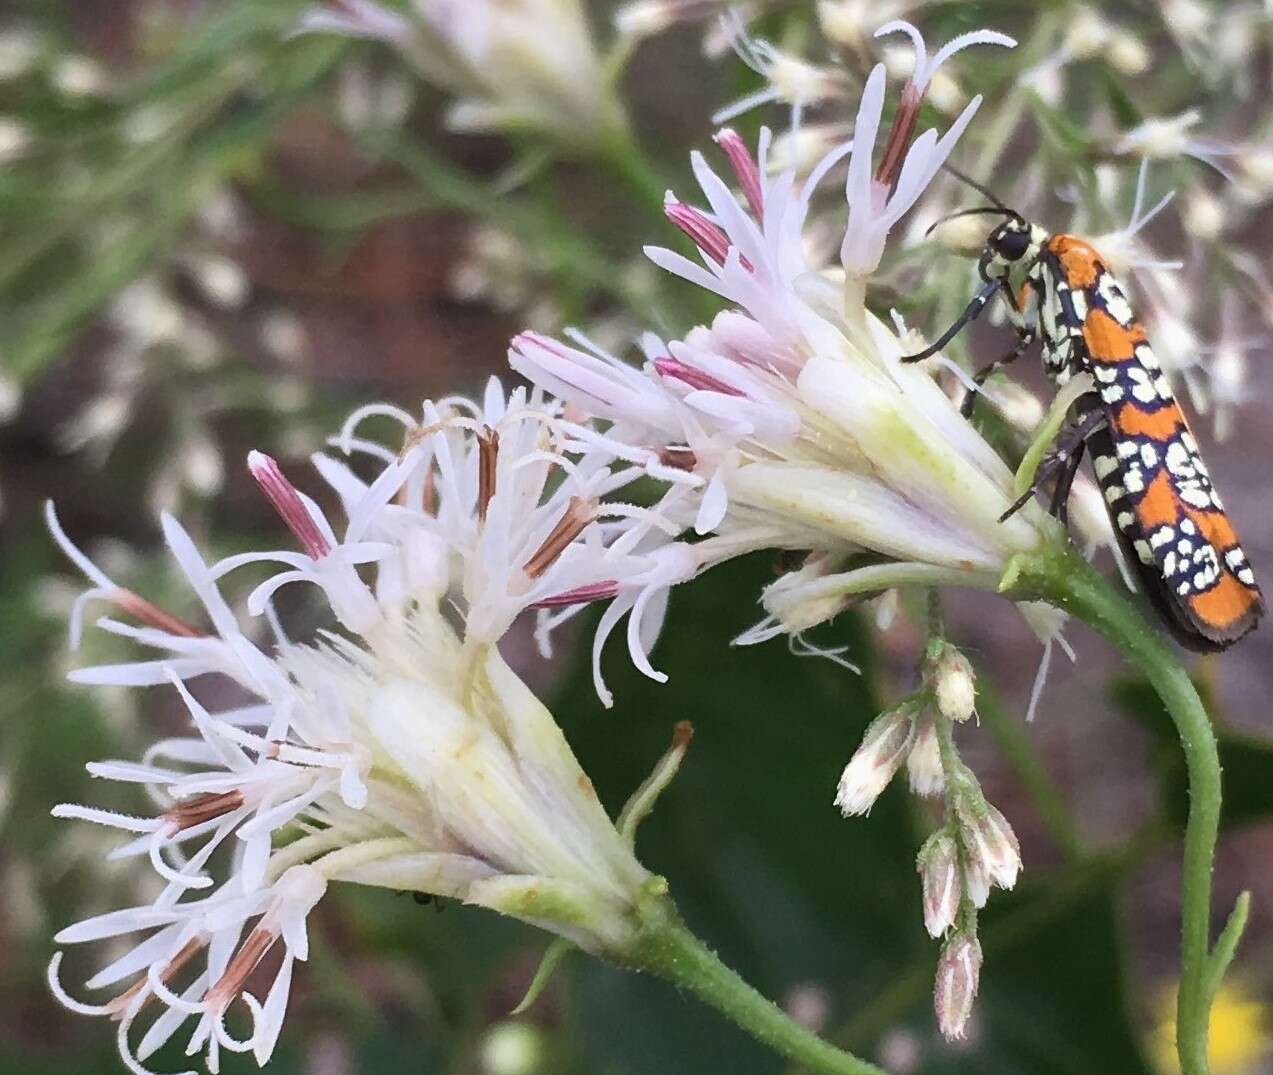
[(124, 1001), (574, 520), (695, 378), (487, 462), (196, 809), (745, 168), (244, 962), (709, 237), (154, 616), (899, 135), (287, 502), (595, 591)]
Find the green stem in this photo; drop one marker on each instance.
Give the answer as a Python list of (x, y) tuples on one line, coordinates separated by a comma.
[(1067, 580), (665, 947)]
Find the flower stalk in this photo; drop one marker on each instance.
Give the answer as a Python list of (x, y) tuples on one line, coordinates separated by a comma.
[(1066, 580), (665, 947)]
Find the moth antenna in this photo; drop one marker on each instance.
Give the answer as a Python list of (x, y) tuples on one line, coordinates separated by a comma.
[(998, 211), (981, 189)]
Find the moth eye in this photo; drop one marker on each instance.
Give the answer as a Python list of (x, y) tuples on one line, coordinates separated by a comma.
[(1011, 245)]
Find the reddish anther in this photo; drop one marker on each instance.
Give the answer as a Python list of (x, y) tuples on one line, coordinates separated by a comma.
[(287, 502)]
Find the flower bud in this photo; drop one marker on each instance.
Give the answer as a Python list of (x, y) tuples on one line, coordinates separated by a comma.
[(955, 986), (990, 841), (923, 763), (955, 685), (512, 1048), (1087, 34), (976, 883), (939, 872), (841, 23), (965, 235), (884, 747), (1204, 214), (1128, 54), (15, 139)]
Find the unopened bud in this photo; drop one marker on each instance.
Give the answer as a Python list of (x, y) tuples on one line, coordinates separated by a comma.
[(512, 1048), (884, 747), (803, 147), (964, 235), (1203, 215), (945, 94), (1086, 33), (923, 763), (955, 686), (222, 281), (1128, 54), (1046, 79), (940, 877), (990, 842), (78, 76), (15, 138), (1256, 165), (19, 50), (955, 986), (644, 18), (841, 22), (976, 883)]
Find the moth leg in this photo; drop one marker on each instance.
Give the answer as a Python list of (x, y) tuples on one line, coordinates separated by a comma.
[(1060, 505), (1062, 462), (1024, 339)]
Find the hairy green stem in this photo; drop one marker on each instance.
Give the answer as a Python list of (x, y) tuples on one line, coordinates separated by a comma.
[(1068, 581), (663, 946)]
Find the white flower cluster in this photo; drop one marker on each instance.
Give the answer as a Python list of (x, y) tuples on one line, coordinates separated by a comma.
[(402, 753), (792, 422), (400, 750), (512, 64)]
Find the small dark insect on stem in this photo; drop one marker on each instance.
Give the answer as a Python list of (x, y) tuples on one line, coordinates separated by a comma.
[(426, 899)]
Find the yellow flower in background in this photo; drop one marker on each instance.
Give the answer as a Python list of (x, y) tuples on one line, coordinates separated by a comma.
[(1241, 1035)]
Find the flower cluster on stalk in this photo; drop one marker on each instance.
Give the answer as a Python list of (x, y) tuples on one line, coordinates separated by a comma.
[(399, 751), (512, 65), (972, 851)]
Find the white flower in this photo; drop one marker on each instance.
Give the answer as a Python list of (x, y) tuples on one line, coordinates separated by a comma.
[(879, 197), (403, 753), (954, 685), (20, 49), (790, 80), (645, 18), (1125, 249), (957, 981), (511, 63), (883, 749), (990, 841), (923, 764), (15, 139), (791, 421), (938, 865), (1168, 137), (206, 931)]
